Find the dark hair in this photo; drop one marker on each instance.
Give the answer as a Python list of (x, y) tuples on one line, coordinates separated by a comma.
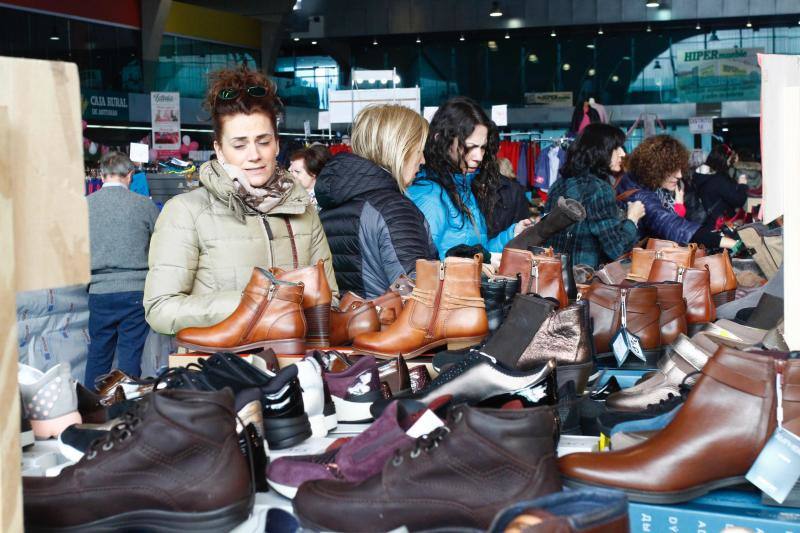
[(719, 158), (314, 158), (456, 119), (591, 151), (239, 80), (656, 158)]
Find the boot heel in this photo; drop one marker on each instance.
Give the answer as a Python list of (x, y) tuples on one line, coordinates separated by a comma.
[(724, 297), (579, 374), (460, 344), (318, 320)]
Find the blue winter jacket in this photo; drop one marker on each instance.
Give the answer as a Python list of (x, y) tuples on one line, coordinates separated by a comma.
[(658, 221), (448, 226)]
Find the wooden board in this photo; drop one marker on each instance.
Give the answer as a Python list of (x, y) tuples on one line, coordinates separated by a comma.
[(10, 467), (45, 168)]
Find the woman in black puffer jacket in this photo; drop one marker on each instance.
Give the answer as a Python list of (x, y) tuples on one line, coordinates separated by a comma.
[(721, 196), (376, 234)]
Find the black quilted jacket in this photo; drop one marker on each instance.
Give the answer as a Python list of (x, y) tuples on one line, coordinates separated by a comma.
[(374, 231)]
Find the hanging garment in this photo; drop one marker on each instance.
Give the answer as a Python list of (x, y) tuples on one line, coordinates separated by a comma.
[(601, 111), (339, 148), (522, 164), (510, 150)]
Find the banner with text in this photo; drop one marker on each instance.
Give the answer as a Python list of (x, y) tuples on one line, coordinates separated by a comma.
[(718, 75), (104, 105), (165, 116)]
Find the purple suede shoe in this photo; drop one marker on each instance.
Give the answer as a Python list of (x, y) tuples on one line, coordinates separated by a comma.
[(359, 458), (354, 390)]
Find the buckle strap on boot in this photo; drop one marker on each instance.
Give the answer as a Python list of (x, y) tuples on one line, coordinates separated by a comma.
[(732, 378)]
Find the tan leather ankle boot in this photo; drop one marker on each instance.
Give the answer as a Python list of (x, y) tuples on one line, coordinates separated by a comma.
[(316, 300), (696, 288), (269, 316), (445, 308)]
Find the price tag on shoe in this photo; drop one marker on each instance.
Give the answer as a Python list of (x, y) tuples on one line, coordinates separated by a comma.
[(625, 343), (777, 467)]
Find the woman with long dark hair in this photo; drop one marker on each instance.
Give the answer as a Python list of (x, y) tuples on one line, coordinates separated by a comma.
[(603, 235), (458, 186)]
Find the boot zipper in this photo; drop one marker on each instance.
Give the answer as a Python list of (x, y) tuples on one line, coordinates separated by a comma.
[(681, 270), (534, 275), (436, 302), (259, 310)]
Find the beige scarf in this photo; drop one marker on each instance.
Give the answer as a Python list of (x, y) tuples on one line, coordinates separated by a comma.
[(241, 197)]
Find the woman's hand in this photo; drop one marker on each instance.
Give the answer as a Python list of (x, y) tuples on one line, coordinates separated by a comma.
[(636, 211), (522, 225), (742, 179), (679, 193)]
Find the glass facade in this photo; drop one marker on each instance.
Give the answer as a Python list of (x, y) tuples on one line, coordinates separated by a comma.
[(630, 67)]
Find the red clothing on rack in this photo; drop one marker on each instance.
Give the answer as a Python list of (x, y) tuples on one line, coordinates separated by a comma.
[(339, 148), (510, 150)]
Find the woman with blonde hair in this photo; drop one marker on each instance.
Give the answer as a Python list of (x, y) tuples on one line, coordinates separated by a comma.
[(376, 234)]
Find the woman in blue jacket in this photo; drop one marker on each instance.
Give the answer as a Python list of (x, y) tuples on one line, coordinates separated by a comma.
[(655, 171), (458, 186)]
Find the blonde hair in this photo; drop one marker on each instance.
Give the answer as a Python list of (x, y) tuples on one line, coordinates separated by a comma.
[(387, 135)]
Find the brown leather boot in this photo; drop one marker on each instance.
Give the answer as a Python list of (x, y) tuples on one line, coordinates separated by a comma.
[(642, 259), (445, 308), (269, 316), (389, 306), (643, 321), (673, 309), (182, 442), (723, 279), (696, 289), (566, 337), (457, 476), (354, 317), (316, 300), (539, 274), (733, 402)]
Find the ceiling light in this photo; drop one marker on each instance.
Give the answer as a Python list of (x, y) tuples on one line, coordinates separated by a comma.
[(592, 72), (533, 58), (626, 58), (313, 42), (713, 37), (496, 11), (419, 39), (615, 78), (648, 29), (296, 39), (697, 26), (724, 129), (375, 42), (657, 65), (507, 36), (749, 24), (652, 3), (54, 35), (553, 32), (600, 31), (566, 66), (297, 6), (397, 80), (590, 46), (493, 46), (462, 38)]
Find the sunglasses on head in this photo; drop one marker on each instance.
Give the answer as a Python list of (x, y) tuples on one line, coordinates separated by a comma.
[(256, 91)]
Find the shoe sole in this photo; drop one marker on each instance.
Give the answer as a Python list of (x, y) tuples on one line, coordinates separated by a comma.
[(284, 433), (452, 344), (330, 415), (158, 521), (662, 498), (284, 490), (319, 427), (282, 347), (348, 412)]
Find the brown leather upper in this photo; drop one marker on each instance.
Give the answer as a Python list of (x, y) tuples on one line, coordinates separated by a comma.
[(389, 306), (717, 434), (446, 304), (539, 274), (317, 291), (673, 309), (642, 259), (696, 289), (723, 278), (563, 336), (182, 456), (351, 320), (606, 312), (266, 311)]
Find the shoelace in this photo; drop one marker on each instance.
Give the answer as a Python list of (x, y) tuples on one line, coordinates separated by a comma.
[(672, 400), (426, 443)]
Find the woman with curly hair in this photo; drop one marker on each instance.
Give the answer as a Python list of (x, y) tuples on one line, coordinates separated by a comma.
[(249, 213), (457, 189), (655, 170)]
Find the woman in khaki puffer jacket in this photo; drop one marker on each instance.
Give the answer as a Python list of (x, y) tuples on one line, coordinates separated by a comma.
[(248, 213)]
